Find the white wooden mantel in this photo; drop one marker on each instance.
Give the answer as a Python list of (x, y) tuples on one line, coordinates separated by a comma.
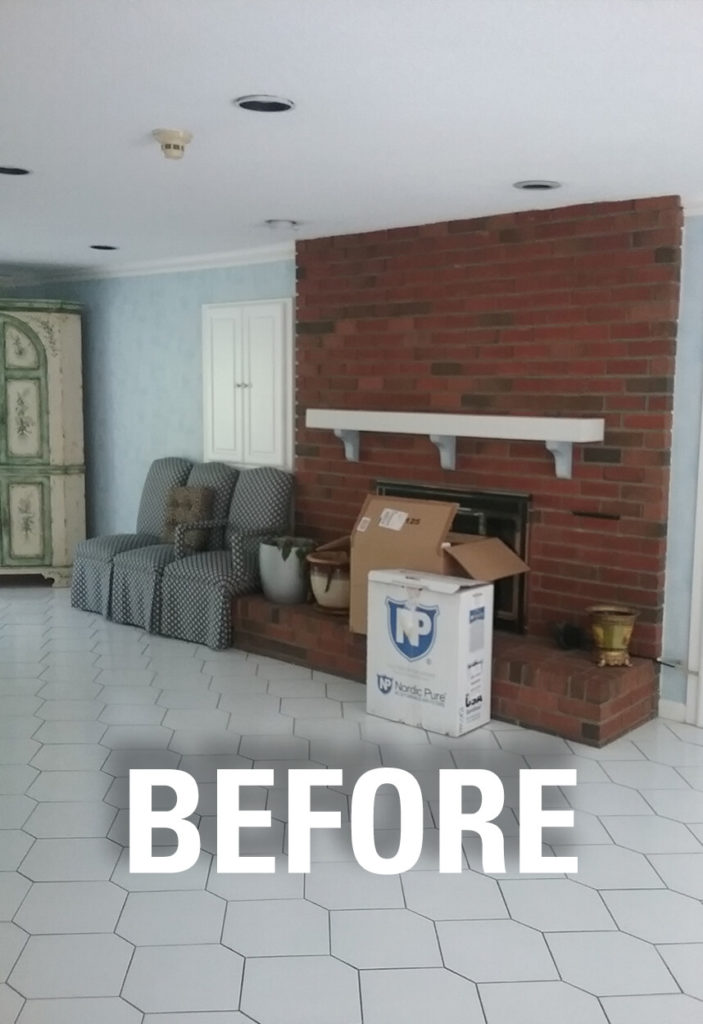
[(559, 435)]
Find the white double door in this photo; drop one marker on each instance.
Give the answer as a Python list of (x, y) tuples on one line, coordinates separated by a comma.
[(247, 383)]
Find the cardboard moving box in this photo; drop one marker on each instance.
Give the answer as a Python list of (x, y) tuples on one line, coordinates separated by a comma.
[(429, 650), (415, 534)]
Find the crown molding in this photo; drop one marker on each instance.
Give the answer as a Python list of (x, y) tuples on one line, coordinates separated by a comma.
[(178, 265)]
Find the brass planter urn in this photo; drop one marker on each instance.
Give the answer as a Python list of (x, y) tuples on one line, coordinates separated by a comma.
[(611, 628)]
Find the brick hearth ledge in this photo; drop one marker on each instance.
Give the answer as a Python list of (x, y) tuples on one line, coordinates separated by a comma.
[(534, 683)]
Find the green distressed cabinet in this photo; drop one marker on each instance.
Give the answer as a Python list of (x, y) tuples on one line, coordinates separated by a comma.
[(42, 472)]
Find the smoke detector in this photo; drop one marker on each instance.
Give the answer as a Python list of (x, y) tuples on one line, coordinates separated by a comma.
[(173, 142)]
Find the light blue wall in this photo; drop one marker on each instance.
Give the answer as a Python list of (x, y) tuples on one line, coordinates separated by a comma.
[(142, 373), (688, 395)]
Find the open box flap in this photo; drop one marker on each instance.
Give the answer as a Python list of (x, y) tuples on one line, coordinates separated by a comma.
[(486, 558)]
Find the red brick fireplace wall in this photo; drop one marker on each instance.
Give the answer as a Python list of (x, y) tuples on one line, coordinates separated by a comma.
[(566, 312)]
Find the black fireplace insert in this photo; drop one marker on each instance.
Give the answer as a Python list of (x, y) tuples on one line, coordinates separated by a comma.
[(502, 514)]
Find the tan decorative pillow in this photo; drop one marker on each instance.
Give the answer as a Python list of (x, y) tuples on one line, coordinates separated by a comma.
[(188, 505)]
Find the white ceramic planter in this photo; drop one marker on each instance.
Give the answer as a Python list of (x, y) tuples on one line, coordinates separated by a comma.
[(283, 580)]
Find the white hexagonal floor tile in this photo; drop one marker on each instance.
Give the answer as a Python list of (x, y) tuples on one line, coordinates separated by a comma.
[(383, 938), (609, 963), (657, 916), (685, 961), (274, 748), (682, 804), (79, 1011), (18, 727), (181, 700), (653, 1010), (651, 834), (88, 965), (172, 918), (12, 940), (10, 1004), (539, 1002), (204, 719), (235, 1017), (18, 704), (318, 990), (70, 820), (612, 867), (15, 809), (148, 737), (71, 785), (170, 979), (642, 774), (588, 770), (311, 707), (69, 690), (132, 714), (133, 695), (13, 847), (17, 751), (296, 688), (134, 678), (70, 710), (16, 778), (469, 948), (606, 798), (276, 928), (682, 872), (66, 907), (555, 904), (70, 732), (204, 768), (70, 757), (280, 885), (346, 886), (70, 860), (121, 762), (415, 997), (133, 881), (13, 889), (445, 897), (196, 741)]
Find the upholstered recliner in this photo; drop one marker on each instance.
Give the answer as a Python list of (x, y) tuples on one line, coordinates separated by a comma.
[(197, 589), (92, 563), (136, 574)]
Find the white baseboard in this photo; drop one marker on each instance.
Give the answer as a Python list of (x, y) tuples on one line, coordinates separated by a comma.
[(672, 709)]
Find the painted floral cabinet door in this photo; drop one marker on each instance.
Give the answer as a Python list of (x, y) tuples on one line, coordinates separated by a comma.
[(41, 438), (26, 535)]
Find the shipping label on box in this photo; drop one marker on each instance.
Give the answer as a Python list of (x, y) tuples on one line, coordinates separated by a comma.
[(429, 650)]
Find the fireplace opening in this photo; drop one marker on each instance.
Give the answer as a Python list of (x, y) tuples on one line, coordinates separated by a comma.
[(502, 514)]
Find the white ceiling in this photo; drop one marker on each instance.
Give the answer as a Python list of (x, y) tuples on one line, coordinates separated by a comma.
[(407, 112)]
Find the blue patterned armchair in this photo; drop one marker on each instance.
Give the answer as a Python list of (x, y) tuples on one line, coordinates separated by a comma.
[(136, 574), (91, 583), (197, 589)]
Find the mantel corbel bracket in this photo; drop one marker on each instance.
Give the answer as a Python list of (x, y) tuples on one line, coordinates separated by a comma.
[(350, 440), (446, 446), (563, 457)]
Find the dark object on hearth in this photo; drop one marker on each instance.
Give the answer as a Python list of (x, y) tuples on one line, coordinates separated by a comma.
[(570, 637)]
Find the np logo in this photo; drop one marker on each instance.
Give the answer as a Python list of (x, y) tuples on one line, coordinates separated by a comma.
[(412, 630), (384, 683)]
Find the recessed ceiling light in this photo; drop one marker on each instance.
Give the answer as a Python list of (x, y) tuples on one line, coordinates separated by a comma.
[(536, 184), (264, 104), (14, 170), (105, 248), (281, 224)]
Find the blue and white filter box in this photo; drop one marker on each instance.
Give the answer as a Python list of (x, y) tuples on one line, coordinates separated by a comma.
[(429, 652)]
